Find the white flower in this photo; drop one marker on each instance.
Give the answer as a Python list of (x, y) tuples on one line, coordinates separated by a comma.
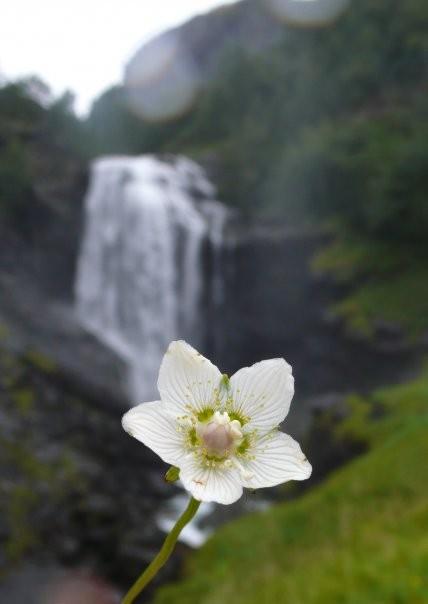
[(222, 434)]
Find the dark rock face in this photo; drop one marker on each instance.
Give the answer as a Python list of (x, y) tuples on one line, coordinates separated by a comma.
[(37, 267), (277, 307), (34, 321), (76, 489), (323, 442), (43, 246)]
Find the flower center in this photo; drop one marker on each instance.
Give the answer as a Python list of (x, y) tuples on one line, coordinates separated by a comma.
[(220, 436)]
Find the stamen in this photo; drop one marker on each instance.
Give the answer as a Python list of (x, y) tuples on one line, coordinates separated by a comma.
[(244, 473)]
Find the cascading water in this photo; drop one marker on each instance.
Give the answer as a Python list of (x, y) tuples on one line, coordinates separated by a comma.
[(149, 227)]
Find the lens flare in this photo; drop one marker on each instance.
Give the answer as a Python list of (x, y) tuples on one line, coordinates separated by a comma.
[(162, 81), (307, 13)]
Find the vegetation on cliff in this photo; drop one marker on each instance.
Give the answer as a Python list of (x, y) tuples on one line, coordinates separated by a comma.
[(328, 127), (31, 131)]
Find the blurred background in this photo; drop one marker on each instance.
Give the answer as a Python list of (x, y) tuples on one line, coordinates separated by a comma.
[(251, 177)]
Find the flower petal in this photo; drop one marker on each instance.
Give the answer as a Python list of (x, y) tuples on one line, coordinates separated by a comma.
[(263, 392), (152, 425), (222, 485), (187, 379), (277, 458)]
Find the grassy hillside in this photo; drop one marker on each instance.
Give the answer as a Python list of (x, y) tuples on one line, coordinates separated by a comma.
[(361, 537)]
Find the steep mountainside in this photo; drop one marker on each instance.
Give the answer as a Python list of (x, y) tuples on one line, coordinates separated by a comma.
[(328, 126), (246, 25)]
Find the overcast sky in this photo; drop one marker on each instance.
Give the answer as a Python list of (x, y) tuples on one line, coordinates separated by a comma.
[(83, 45)]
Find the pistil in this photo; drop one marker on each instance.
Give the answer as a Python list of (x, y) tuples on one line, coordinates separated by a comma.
[(220, 436)]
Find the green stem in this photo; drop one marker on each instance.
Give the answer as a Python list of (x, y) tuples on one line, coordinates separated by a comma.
[(165, 552)]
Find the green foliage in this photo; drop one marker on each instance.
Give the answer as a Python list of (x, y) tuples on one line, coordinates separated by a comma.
[(33, 127), (360, 537), (64, 128), (369, 173), (112, 128), (386, 281), (42, 480), (356, 427), (34, 482), (23, 399), (22, 536), (40, 361), (401, 300), (18, 110), (15, 180), (375, 51)]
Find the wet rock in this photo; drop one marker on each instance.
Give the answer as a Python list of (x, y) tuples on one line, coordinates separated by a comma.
[(276, 306), (333, 403), (48, 332), (324, 444), (75, 487)]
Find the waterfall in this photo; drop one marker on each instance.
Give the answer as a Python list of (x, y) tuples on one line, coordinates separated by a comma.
[(151, 229)]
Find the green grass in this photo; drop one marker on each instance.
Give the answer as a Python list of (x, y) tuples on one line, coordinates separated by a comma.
[(359, 538)]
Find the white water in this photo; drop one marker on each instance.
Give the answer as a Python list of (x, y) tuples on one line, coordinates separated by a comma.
[(140, 278)]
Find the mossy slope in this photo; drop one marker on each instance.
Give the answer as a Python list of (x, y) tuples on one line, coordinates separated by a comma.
[(361, 537)]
